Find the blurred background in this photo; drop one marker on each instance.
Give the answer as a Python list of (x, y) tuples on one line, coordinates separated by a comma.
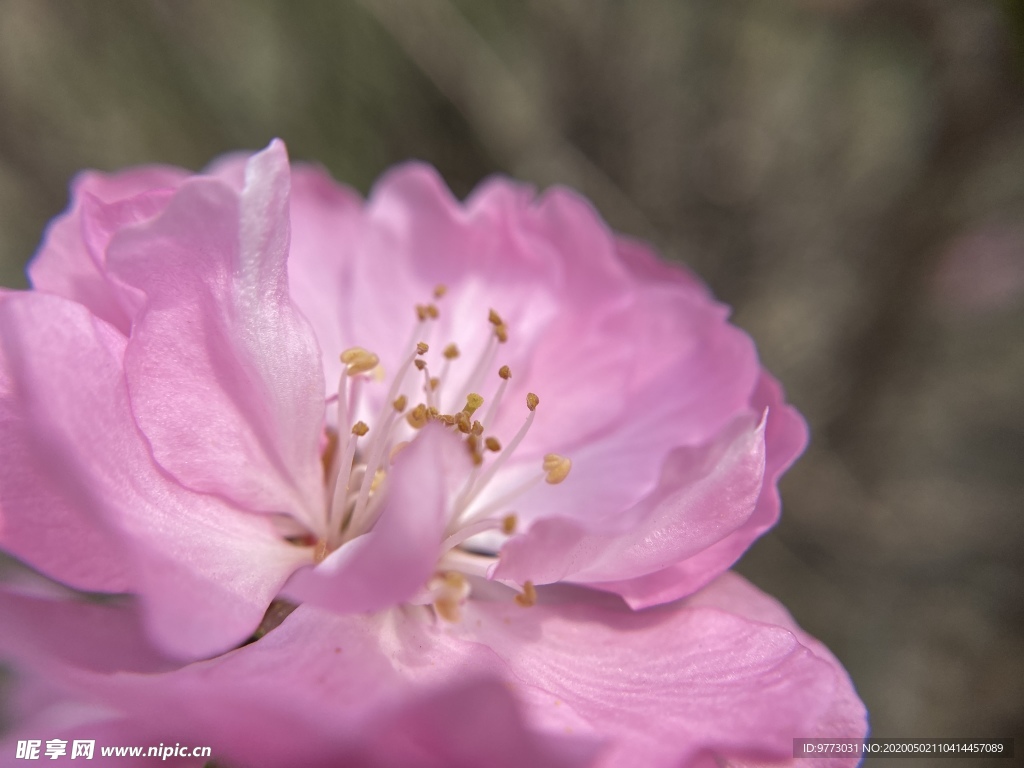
[(847, 174)]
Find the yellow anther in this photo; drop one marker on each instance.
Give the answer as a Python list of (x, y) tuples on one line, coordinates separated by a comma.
[(463, 423), (432, 311), (320, 552), (440, 290), (420, 364), (509, 524), (473, 401), (501, 331), (421, 312), (432, 412), (492, 444), (557, 468), (434, 383), (378, 478), (358, 360), (478, 428), (422, 348), (449, 590), (532, 401), (494, 318), (400, 402), (451, 352), (359, 428), (448, 610), (455, 580), (417, 417), (528, 597), (505, 372)]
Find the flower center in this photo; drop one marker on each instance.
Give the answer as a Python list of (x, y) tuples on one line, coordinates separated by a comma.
[(359, 454)]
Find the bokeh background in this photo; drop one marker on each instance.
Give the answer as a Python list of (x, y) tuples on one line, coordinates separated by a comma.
[(847, 174)]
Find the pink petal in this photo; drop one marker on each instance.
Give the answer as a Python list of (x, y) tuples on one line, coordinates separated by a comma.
[(323, 690), (325, 219), (669, 685), (845, 717), (223, 371), (785, 439), (42, 522), (397, 557), (704, 495), (205, 571), (72, 264)]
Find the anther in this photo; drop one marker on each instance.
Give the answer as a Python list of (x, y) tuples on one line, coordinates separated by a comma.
[(400, 402), (494, 318), (505, 372), (492, 444), (358, 360), (417, 417), (501, 331), (422, 348), (473, 401), (528, 597), (359, 428), (477, 429), (532, 401), (434, 383), (421, 312), (420, 364), (320, 552), (557, 468), (432, 311), (509, 524), (440, 290), (451, 352)]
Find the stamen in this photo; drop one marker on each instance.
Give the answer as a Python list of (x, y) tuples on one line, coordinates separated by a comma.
[(473, 402), (509, 524), (417, 417), (440, 290), (532, 401), (528, 598), (400, 402), (505, 373), (557, 468), (450, 590), (359, 429), (473, 489), (358, 360), (451, 352), (492, 444)]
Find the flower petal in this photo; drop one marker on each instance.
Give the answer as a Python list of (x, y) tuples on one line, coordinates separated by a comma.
[(396, 558), (845, 715), (223, 371), (204, 570), (785, 439), (71, 262), (319, 690), (704, 495), (669, 685)]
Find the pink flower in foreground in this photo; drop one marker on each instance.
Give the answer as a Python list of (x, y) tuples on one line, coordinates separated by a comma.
[(408, 417)]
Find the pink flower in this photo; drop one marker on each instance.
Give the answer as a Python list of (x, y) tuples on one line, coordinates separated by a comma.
[(248, 384)]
